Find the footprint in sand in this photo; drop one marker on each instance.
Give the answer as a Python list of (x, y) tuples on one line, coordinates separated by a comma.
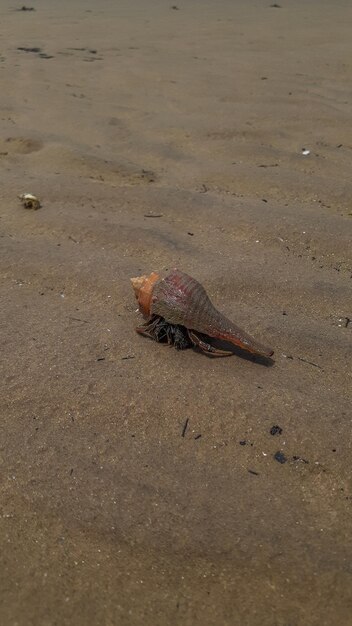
[(20, 145)]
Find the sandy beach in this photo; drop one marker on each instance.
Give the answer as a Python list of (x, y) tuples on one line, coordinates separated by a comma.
[(140, 485)]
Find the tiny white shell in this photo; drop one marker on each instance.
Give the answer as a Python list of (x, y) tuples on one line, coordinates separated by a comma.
[(30, 201)]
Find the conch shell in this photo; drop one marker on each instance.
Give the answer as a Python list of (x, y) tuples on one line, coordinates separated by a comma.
[(181, 300)]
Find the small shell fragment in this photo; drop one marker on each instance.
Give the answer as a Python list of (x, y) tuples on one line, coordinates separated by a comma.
[(30, 201)]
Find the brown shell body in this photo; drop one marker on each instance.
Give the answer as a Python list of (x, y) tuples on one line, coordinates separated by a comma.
[(180, 299)]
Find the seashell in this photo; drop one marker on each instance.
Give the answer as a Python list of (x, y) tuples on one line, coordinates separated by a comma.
[(30, 201), (183, 303)]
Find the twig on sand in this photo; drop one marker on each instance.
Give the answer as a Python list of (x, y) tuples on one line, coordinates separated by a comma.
[(185, 427)]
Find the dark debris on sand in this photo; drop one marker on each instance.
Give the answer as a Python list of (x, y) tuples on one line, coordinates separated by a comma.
[(280, 457)]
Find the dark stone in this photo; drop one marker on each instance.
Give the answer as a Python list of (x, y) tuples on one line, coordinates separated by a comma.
[(280, 457), (275, 430)]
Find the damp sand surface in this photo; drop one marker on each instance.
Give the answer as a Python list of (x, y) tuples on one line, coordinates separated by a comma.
[(140, 485)]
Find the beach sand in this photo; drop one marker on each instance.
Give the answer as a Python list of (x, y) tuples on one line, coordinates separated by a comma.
[(197, 114)]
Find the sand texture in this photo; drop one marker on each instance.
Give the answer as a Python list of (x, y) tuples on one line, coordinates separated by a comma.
[(140, 485)]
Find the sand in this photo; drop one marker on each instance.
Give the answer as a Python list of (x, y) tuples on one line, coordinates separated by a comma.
[(198, 114)]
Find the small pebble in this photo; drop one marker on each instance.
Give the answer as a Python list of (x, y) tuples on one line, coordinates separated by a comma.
[(280, 457), (275, 430)]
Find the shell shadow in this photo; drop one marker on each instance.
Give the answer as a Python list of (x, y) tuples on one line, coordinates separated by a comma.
[(236, 351)]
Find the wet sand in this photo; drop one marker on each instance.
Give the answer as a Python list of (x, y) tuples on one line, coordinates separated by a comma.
[(198, 114)]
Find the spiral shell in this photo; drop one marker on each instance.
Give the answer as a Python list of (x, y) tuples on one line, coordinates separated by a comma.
[(180, 299)]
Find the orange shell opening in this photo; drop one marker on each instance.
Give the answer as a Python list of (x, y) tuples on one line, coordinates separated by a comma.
[(143, 288)]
